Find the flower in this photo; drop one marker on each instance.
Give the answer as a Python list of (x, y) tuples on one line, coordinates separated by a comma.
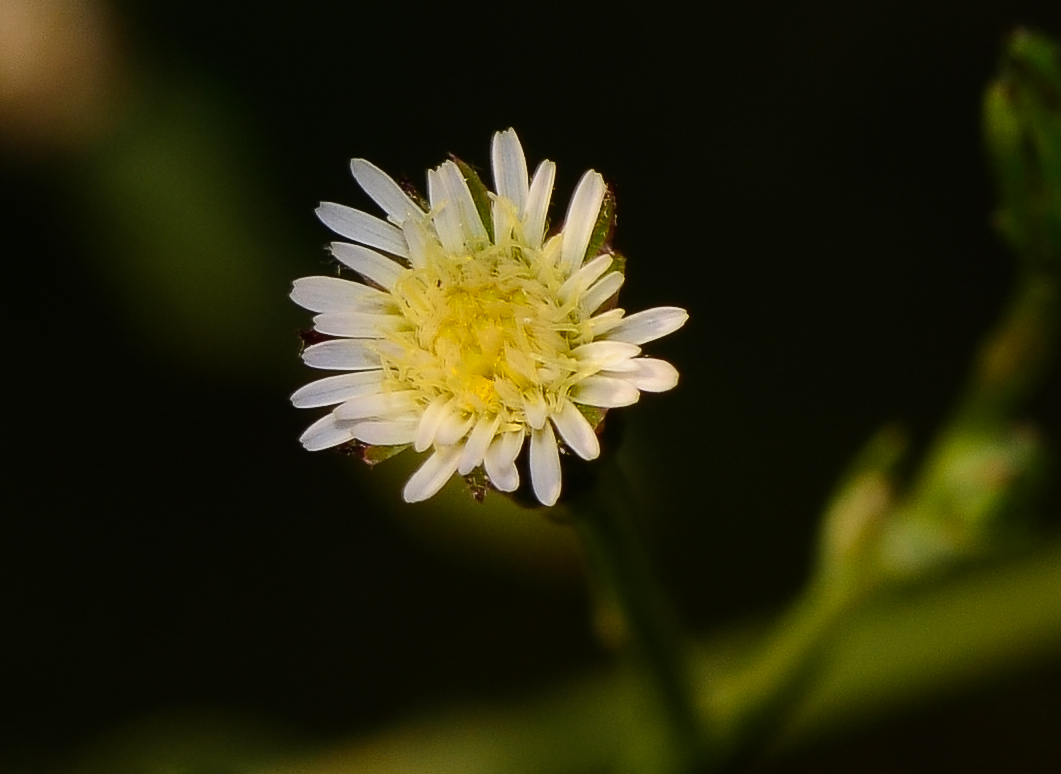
[(474, 330)]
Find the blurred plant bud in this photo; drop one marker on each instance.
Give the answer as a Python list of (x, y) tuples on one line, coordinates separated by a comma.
[(974, 488), (857, 510), (1022, 130)]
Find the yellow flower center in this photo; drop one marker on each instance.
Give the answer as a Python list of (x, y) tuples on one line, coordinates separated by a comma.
[(488, 330)]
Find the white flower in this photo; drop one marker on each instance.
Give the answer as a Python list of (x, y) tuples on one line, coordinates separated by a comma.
[(474, 331)]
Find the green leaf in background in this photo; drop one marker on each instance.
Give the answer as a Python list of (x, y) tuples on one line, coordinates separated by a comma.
[(1022, 120)]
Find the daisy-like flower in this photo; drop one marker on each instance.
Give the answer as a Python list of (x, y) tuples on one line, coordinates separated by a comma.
[(473, 330)]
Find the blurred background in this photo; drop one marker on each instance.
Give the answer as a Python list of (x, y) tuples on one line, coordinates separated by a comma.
[(806, 179)]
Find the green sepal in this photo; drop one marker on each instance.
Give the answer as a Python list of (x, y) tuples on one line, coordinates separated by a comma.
[(602, 230), (593, 414), (372, 455), (480, 195)]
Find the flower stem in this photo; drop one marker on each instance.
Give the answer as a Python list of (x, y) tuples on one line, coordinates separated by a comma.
[(604, 520)]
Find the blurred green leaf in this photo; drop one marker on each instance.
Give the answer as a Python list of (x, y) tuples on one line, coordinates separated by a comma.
[(184, 232), (1022, 127)]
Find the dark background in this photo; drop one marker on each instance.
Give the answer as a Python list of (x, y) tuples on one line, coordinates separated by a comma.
[(807, 181)]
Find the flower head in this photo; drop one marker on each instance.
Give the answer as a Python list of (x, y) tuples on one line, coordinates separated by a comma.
[(475, 331)]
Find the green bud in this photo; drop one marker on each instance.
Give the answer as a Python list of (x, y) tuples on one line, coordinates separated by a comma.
[(979, 479), (1022, 131), (965, 506), (860, 505)]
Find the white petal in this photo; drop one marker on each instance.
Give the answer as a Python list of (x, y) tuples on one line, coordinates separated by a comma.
[(387, 432), (379, 405), (342, 355), (384, 191), (545, 465), (457, 191), (429, 422), (535, 408), (601, 292), (363, 228), (420, 241), (649, 325), (541, 190), (510, 169), (605, 321), (505, 219), (331, 294), (500, 460), (335, 389), (453, 427), (576, 431), (621, 367), (590, 272), (604, 392), (327, 432), (606, 354), (648, 374), (478, 442), (368, 263), (582, 216), (359, 325), (436, 471), (446, 214)]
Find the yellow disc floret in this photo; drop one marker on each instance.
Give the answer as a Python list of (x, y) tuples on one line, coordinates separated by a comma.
[(487, 332)]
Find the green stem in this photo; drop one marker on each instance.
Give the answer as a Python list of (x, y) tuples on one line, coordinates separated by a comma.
[(749, 707), (605, 523)]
